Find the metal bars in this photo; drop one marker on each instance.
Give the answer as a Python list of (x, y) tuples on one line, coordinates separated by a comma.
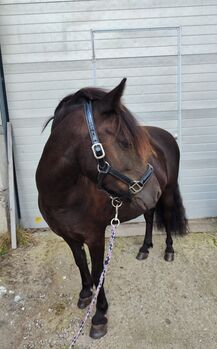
[(178, 53)]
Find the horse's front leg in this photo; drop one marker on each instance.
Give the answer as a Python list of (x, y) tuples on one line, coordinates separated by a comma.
[(79, 254), (144, 250), (99, 320)]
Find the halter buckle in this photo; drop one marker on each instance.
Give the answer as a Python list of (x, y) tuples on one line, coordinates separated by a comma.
[(136, 187), (105, 169), (98, 151)]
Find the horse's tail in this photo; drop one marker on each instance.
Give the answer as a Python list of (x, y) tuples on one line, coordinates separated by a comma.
[(170, 212)]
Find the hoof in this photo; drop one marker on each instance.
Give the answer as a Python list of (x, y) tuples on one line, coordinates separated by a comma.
[(98, 331), (169, 256), (84, 302), (142, 255)]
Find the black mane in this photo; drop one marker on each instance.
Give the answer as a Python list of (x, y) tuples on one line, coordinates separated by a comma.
[(72, 101), (127, 125)]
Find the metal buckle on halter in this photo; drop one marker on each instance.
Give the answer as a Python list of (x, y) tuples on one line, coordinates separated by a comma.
[(98, 151), (105, 169), (136, 187)]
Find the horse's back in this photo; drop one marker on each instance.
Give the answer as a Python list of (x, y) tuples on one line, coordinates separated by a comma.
[(166, 148), (162, 138)]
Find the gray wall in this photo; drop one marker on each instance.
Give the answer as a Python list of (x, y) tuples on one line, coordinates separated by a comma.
[(47, 54)]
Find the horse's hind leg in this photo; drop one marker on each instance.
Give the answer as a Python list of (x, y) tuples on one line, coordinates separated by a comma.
[(99, 320), (164, 212), (79, 254), (169, 251), (144, 250)]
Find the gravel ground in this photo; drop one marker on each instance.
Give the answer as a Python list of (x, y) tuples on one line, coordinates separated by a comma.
[(153, 304)]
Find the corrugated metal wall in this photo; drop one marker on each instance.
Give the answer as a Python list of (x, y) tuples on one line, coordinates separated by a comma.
[(46, 50)]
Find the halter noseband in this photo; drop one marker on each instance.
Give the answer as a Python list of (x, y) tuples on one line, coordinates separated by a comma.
[(103, 167)]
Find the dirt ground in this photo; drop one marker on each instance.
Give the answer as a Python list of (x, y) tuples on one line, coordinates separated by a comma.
[(153, 304)]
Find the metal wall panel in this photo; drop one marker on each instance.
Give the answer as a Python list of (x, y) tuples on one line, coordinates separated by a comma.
[(47, 55)]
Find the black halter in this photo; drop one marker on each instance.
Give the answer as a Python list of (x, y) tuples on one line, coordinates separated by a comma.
[(103, 166)]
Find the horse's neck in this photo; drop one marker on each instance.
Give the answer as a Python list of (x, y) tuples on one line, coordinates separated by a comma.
[(58, 166)]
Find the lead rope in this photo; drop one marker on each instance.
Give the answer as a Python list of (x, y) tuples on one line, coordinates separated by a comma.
[(114, 224)]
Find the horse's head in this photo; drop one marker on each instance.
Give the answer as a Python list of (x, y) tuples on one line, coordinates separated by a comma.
[(127, 150)]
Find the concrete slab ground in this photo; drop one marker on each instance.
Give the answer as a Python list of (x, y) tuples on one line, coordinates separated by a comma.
[(153, 304), (206, 225)]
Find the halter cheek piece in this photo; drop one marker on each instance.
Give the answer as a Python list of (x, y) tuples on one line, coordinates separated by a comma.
[(103, 166)]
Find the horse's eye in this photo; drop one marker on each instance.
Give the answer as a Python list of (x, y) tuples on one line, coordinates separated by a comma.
[(125, 144)]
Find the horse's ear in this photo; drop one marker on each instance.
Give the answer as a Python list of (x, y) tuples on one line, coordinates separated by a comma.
[(111, 101)]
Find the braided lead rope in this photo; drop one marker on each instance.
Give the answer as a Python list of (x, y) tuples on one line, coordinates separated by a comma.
[(114, 223)]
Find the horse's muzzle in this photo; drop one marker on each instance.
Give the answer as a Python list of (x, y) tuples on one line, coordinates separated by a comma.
[(148, 197)]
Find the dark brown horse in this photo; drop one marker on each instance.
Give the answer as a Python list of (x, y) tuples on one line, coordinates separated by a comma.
[(68, 178)]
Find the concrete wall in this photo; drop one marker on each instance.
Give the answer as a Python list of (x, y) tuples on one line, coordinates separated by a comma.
[(3, 183)]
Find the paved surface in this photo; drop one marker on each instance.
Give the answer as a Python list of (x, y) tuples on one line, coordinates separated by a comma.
[(153, 304)]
